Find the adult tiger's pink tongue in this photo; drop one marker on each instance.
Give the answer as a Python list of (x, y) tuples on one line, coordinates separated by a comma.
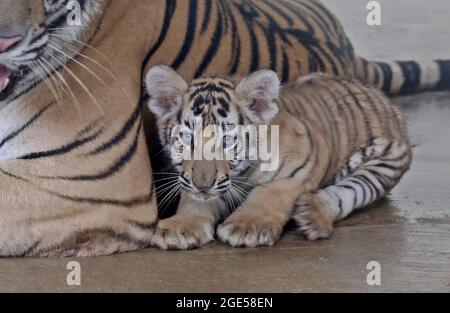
[(5, 73)]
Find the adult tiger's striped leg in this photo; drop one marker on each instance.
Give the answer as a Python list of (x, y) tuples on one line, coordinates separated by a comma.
[(69, 199), (40, 220), (369, 176)]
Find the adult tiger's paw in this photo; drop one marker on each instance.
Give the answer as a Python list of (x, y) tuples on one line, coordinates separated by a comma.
[(247, 229), (183, 232), (312, 217)]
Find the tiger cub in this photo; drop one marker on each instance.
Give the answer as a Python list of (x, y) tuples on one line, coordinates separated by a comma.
[(340, 145)]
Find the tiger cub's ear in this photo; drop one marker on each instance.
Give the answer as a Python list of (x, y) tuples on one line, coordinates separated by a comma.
[(257, 94), (166, 89)]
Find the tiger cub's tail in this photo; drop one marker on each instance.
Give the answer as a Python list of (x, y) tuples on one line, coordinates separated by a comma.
[(405, 77)]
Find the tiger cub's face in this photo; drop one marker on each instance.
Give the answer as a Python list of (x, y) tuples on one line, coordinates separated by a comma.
[(37, 37), (199, 124)]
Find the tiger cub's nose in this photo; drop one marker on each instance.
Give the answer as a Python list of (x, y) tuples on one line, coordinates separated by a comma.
[(6, 43), (204, 175)]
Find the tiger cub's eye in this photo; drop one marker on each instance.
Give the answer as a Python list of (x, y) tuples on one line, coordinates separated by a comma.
[(229, 141), (185, 138)]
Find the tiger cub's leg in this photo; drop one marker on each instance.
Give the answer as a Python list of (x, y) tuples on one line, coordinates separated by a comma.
[(370, 175), (260, 220), (191, 227)]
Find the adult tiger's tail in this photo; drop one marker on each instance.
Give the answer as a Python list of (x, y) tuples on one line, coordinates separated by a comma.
[(405, 77)]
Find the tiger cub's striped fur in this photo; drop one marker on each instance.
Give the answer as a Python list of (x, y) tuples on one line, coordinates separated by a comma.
[(342, 147)]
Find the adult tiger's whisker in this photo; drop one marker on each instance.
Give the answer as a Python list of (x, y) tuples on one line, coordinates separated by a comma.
[(37, 68), (63, 80), (63, 35), (80, 83), (82, 65), (69, 42)]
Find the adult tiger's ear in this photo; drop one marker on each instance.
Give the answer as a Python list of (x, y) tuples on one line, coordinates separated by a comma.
[(166, 89), (257, 94)]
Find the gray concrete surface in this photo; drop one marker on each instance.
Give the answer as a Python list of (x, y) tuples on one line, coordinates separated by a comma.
[(408, 234)]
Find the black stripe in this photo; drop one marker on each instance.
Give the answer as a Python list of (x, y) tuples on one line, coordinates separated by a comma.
[(372, 184), (357, 103), (115, 202), (31, 249), (90, 127), (389, 166), (120, 136), (279, 11), (35, 39), (213, 47), (306, 162), (61, 150), (143, 226), (342, 111), (285, 70), (444, 68), (374, 104), (386, 71), (332, 123), (279, 169), (381, 178), (207, 15), (326, 29), (210, 88), (224, 10), (248, 15), (272, 44), (333, 20), (411, 73), (309, 28), (235, 42), (96, 201), (272, 31), (113, 169), (190, 35), (387, 149), (226, 84), (30, 122), (315, 51), (168, 14), (376, 78), (351, 188), (374, 192), (364, 192), (365, 68)]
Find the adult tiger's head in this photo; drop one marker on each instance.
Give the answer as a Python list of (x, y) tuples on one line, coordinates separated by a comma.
[(213, 113), (38, 35)]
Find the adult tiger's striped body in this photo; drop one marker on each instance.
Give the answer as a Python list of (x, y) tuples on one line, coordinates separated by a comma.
[(292, 37), (74, 175), (75, 178), (342, 146)]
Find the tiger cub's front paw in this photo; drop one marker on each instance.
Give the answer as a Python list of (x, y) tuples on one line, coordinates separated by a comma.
[(312, 216), (183, 232), (250, 230)]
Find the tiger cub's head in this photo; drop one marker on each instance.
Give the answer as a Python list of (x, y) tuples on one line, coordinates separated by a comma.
[(200, 125), (38, 37)]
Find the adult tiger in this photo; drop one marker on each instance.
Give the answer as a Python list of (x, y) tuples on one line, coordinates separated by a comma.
[(74, 173)]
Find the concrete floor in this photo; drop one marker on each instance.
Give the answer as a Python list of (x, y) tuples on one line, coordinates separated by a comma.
[(408, 234)]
